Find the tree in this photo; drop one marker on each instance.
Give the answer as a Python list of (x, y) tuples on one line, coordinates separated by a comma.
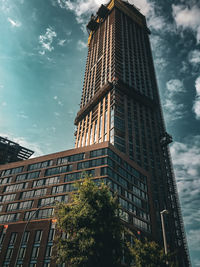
[(92, 226), (149, 254)]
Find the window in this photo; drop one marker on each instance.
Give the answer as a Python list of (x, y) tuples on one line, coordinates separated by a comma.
[(6, 180), (2, 236), (58, 170), (48, 252), (40, 165), (9, 217), (8, 198), (78, 175), (13, 206), (71, 158), (51, 235), (25, 205), (9, 254), (25, 238), (52, 180), (40, 214), (12, 171), (51, 200), (15, 187), (98, 153), (38, 236), (33, 193), (22, 252), (92, 163), (27, 194), (40, 192), (63, 188), (38, 183), (21, 177), (34, 253), (32, 175)]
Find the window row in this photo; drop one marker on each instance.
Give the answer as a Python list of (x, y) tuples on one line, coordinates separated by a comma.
[(38, 214), (15, 187), (40, 165), (52, 200), (58, 170), (71, 158), (20, 205), (79, 175)]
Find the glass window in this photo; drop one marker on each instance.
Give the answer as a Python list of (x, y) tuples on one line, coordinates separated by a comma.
[(27, 194), (12, 239), (25, 238), (9, 217), (32, 175), (13, 206), (25, 205), (9, 253), (22, 252), (39, 165), (6, 180), (35, 252), (15, 187), (71, 158), (52, 180), (48, 252), (40, 192), (21, 177), (38, 183), (8, 198), (58, 170), (51, 235), (12, 171), (38, 236)]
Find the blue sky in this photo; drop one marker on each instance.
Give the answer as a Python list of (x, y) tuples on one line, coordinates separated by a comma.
[(43, 50)]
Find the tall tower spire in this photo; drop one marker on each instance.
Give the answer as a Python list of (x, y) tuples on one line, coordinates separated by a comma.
[(120, 103)]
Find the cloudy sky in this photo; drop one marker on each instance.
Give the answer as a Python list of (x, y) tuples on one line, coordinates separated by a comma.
[(43, 49)]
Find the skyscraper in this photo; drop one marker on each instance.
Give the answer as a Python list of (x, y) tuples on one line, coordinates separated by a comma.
[(120, 103), (120, 139)]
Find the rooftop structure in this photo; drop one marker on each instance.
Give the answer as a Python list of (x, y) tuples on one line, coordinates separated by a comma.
[(11, 151)]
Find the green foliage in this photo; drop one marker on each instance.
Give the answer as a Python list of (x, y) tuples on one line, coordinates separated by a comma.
[(93, 228), (149, 254)]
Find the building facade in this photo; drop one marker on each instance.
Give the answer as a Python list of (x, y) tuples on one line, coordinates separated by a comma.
[(11, 151), (29, 189), (120, 139)]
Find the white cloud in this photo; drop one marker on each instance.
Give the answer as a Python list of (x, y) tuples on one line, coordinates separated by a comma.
[(4, 104), (14, 23), (194, 57), (59, 102), (83, 8), (22, 115), (175, 86), (186, 160), (196, 106), (173, 108), (81, 45), (46, 40), (187, 18), (62, 42)]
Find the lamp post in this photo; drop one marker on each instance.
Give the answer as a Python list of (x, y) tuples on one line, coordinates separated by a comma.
[(163, 229), (29, 219)]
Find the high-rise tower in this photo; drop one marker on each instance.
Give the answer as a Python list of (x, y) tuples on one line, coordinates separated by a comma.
[(120, 104)]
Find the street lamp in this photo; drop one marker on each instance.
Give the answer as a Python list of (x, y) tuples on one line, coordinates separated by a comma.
[(163, 229), (29, 219)]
